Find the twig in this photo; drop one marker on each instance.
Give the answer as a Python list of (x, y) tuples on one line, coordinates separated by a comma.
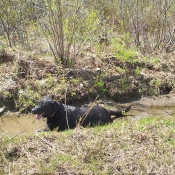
[(87, 112), (66, 110), (45, 141), (14, 136), (2, 136), (28, 155)]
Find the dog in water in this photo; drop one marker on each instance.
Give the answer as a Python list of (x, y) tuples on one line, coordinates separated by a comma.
[(68, 117)]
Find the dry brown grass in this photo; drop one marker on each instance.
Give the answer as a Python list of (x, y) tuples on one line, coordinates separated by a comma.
[(124, 147)]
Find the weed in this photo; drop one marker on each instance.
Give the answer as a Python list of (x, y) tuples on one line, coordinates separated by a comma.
[(100, 84), (7, 94), (121, 51), (147, 121), (120, 70), (75, 81), (154, 86), (73, 94), (170, 123), (156, 60), (137, 71)]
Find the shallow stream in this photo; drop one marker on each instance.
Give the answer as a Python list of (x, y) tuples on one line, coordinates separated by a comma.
[(13, 125)]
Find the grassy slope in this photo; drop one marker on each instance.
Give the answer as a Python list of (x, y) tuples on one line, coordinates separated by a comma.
[(128, 146)]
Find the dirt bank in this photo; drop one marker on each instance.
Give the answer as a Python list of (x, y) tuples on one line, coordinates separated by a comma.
[(159, 101), (26, 79)]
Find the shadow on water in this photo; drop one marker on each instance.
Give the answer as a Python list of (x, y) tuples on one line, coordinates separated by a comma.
[(13, 125)]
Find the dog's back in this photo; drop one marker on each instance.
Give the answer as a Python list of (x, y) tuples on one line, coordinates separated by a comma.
[(68, 117)]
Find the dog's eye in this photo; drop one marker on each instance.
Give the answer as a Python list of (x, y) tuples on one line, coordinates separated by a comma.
[(41, 103)]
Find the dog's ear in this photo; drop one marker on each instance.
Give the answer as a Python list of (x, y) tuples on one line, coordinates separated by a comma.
[(55, 105), (52, 96)]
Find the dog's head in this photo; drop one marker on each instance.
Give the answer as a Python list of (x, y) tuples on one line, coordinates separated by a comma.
[(46, 108)]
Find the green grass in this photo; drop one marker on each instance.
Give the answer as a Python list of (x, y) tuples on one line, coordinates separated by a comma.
[(123, 147)]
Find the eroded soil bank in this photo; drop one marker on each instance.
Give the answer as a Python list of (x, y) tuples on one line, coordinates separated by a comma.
[(26, 79), (148, 85)]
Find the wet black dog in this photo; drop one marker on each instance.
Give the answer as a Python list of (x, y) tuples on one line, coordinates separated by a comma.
[(65, 117)]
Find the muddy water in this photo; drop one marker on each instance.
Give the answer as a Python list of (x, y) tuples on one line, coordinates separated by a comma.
[(146, 111), (162, 105), (13, 125)]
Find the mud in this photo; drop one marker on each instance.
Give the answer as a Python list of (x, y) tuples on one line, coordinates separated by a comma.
[(13, 125)]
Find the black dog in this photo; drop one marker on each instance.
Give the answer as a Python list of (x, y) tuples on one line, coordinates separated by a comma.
[(65, 117)]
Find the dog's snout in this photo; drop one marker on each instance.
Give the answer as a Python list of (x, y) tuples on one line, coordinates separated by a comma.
[(33, 110)]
